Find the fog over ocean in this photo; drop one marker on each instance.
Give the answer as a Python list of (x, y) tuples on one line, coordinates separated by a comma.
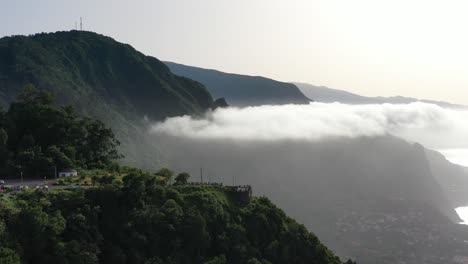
[(433, 126)]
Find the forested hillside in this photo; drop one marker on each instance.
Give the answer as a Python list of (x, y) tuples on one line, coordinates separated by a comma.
[(102, 78), (139, 221), (77, 65)]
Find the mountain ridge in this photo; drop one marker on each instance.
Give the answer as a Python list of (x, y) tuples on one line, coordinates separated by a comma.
[(330, 95), (242, 90)]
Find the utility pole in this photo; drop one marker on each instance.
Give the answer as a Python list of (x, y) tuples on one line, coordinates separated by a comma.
[(201, 175), (55, 172)]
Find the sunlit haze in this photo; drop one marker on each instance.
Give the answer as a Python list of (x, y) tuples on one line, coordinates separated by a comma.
[(409, 48)]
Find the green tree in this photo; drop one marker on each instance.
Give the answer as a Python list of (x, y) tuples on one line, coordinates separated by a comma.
[(59, 158), (99, 147), (39, 135), (166, 174), (182, 178), (8, 256)]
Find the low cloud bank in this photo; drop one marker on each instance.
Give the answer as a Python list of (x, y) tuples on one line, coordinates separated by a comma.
[(428, 124)]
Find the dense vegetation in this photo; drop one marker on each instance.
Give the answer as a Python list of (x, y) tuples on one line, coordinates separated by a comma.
[(104, 79), (242, 90), (78, 65), (141, 221), (37, 137)]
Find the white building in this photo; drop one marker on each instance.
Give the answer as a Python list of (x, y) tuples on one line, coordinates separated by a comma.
[(67, 173)]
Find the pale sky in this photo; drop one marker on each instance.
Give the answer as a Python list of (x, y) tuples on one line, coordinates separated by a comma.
[(371, 47)]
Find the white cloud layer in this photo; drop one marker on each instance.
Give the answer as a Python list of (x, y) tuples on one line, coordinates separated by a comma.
[(430, 125)]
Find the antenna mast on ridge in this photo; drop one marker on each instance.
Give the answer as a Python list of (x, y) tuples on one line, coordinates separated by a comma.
[(81, 23)]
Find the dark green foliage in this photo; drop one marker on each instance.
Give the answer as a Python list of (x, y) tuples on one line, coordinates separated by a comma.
[(165, 175), (8, 256), (78, 66), (103, 79), (36, 135), (143, 222), (165, 172), (182, 178)]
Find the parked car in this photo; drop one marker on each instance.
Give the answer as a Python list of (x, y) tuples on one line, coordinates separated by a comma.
[(2, 182), (21, 187)]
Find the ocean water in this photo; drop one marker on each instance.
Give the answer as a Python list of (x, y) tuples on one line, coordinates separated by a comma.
[(460, 157), (463, 213), (457, 156)]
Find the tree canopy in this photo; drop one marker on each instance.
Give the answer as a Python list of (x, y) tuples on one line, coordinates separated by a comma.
[(36, 135), (140, 221), (182, 178)]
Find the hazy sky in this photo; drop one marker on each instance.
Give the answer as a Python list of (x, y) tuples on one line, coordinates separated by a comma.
[(399, 47)]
